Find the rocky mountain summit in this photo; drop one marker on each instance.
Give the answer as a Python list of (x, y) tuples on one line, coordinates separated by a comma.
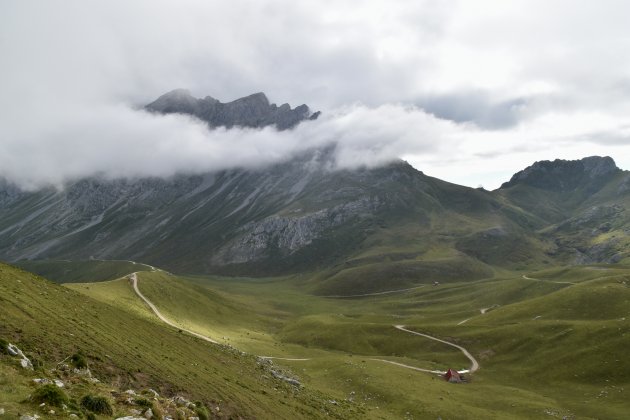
[(251, 111), (565, 175)]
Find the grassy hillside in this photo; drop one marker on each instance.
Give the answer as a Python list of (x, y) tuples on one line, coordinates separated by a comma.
[(547, 347), (131, 349), (76, 271)]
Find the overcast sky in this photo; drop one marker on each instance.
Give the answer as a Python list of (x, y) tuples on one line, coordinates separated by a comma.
[(468, 91)]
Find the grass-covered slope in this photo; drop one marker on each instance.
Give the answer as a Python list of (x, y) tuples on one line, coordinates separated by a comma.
[(77, 271), (552, 343), (128, 349)]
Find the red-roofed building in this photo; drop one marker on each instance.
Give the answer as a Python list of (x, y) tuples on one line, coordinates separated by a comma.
[(453, 376)]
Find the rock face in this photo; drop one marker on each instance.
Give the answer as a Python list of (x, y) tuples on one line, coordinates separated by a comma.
[(289, 234), (202, 221), (565, 175), (251, 111)]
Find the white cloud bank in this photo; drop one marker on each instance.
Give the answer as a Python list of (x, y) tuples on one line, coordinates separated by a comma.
[(496, 85), (118, 141)]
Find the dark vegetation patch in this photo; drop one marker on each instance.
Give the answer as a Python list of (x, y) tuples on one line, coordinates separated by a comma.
[(97, 404), (50, 394)]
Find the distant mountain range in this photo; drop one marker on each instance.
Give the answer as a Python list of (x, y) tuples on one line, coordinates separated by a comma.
[(352, 225)]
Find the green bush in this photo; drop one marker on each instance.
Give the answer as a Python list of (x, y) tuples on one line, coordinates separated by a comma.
[(51, 395), (97, 404), (78, 361), (143, 402), (90, 416)]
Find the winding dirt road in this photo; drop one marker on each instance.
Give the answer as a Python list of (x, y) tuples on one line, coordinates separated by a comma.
[(548, 281), (437, 372), (387, 292), (134, 281), (474, 366), (133, 277)]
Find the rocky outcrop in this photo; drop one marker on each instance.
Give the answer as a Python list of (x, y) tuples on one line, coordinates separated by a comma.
[(25, 362), (251, 111), (289, 234), (597, 218)]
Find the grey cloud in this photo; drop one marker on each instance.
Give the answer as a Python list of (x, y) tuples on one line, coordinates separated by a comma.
[(620, 136), (476, 107)]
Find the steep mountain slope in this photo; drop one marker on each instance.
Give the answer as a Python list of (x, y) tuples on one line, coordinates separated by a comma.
[(583, 205), (293, 216), (392, 222)]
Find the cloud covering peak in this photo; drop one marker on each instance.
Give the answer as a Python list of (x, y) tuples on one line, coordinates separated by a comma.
[(469, 92)]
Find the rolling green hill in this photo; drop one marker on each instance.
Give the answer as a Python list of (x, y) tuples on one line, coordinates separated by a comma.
[(132, 350)]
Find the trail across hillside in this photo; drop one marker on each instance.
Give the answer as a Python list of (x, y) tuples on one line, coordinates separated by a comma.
[(387, 292), (549, 281), (134, 280), (437, 372), (474, 364)]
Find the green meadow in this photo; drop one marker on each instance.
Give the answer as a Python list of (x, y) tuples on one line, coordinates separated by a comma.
[(550, 344)]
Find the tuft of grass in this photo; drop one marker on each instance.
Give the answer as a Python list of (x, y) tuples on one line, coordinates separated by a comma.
[(79, 361), (202, 411), (50, 394), (97, 404)]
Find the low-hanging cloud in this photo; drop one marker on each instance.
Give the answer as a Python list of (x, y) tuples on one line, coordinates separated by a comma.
[(119, 141)]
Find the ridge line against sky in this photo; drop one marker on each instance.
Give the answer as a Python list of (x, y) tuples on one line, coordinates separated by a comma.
[(469, 92)]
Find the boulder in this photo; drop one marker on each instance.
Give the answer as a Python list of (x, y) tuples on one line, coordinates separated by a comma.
[(24, 361)]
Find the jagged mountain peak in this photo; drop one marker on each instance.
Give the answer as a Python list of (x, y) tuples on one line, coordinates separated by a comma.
[(564, 175), (258, 98), (253, 110), (175, 101)]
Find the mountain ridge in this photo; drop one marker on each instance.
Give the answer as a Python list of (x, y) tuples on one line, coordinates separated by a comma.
[(253, 111), (285, 218), (300, 215), (559, 175)]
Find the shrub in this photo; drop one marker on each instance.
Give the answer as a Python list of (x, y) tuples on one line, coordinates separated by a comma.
[(78, 361), (97, 404), (90, 416), (50, 394), (143, 402)]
